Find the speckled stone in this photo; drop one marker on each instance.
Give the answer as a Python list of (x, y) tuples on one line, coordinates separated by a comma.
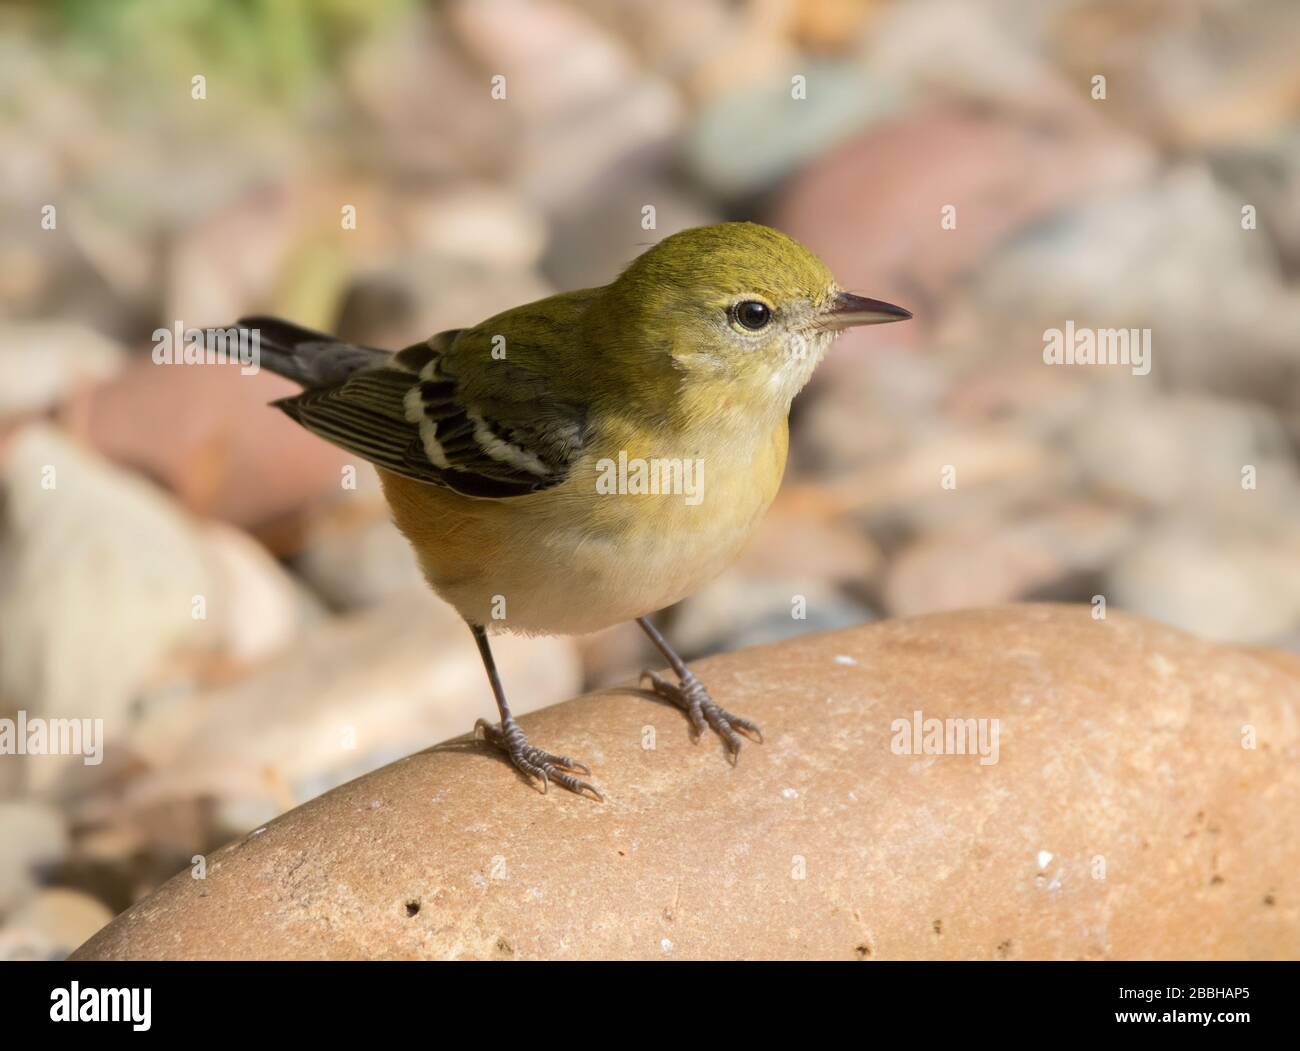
[(1125, 817)]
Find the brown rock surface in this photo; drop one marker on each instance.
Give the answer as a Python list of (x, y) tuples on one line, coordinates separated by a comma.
[(1125, 818)]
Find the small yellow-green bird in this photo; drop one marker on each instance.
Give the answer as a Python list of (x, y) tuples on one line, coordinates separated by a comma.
[(592, 457)]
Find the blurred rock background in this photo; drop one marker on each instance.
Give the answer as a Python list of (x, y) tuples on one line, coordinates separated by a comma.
[(854, 125)]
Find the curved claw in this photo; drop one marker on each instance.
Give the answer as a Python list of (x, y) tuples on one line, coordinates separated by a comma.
[(691, 696), (578, 787), (535, 762), (723, 729), (565, 763)]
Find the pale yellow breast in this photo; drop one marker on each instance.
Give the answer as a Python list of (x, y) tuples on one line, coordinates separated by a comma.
[(598, 549)]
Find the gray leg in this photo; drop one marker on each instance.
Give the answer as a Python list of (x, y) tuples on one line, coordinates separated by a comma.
[(511, 740), (690, 695)]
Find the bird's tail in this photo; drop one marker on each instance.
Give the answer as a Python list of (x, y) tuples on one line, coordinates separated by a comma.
[(306, 356)]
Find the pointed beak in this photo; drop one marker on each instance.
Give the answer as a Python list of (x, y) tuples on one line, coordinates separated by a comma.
[(847, 311)]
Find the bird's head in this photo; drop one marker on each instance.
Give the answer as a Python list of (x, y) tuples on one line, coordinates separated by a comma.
[(740, 313)]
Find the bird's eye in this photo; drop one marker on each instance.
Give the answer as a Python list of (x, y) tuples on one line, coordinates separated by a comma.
[(752, 314)]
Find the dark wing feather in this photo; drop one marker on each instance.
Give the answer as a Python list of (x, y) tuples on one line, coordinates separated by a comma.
[(411, 418)]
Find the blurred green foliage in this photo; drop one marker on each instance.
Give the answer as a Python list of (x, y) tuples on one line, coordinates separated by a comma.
[(270, 47)]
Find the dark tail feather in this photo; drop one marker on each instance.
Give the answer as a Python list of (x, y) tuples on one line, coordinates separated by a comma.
[(306, 356)]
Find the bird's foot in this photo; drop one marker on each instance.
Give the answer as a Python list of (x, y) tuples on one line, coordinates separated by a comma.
[(535, 762), (691, 696)]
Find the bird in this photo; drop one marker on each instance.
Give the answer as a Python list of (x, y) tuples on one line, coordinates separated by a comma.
[(590, 458)]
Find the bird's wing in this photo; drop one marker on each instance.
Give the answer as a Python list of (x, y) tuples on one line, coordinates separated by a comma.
[(411, 416)]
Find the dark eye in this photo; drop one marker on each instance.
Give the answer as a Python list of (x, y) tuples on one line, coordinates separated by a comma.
[(752, 314)]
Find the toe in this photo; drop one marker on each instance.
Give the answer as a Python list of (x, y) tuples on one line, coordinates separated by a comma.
[(660, 685), (574, 785), (744, 725), (722, 727), (535, 762), (691, 696), (551, 762), (490, 733), (565, 763), (524, 763)]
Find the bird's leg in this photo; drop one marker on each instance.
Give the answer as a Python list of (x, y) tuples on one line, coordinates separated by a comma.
[(690, 695), (511, 740)]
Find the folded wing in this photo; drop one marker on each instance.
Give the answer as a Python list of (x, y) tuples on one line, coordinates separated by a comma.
[(409, 414)]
